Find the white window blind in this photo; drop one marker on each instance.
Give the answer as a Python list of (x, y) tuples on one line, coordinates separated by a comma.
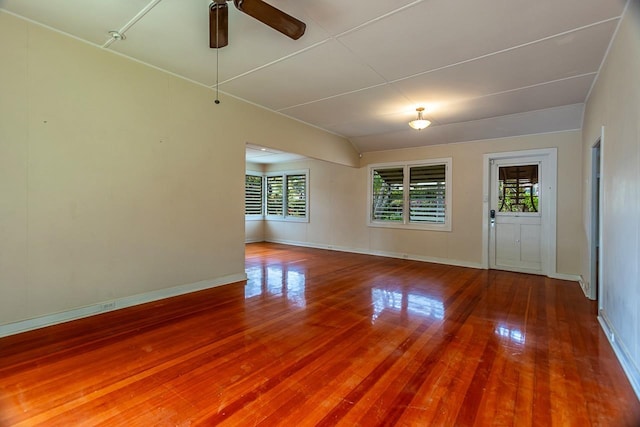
[(297, 195), (388, 198), (275, 195), (427, 194), (253, 196), (411, 195), (286, 195)]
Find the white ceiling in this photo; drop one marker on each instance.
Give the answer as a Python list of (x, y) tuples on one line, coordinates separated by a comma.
[(483, 69), (266, 155)]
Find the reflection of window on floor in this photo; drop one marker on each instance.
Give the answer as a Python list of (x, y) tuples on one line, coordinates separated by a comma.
[(512, 334), (276, 281), (405, 302), (519, 189)]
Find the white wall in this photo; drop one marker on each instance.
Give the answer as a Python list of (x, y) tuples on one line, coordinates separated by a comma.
[(615, 104), (338, 204), (117, 179)]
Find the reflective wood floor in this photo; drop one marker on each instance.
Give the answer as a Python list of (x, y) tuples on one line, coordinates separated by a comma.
[(328, 338)]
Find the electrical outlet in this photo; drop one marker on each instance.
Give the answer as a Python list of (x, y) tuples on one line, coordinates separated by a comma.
[(108, 306)]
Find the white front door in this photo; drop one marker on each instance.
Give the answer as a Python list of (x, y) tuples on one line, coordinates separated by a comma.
[(516, 201)]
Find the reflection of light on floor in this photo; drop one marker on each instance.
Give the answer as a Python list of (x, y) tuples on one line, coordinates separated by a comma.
[(411, 303), (295, 288), (513, 335), (276, 281), (254, 282)]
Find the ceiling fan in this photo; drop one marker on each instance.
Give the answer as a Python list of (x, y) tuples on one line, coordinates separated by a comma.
[(258, 9)]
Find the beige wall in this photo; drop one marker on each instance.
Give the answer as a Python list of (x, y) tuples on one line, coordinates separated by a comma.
[(615, 104), (254, 230), (338, 204), (118, 179), (336, 197)]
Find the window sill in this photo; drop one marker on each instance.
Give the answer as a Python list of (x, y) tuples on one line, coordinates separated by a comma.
[(422, 227), (286, 219)]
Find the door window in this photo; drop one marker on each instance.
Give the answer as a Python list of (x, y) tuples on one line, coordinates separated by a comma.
[(518, 188)]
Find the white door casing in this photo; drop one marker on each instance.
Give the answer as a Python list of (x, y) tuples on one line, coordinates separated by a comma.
[(522, 242)]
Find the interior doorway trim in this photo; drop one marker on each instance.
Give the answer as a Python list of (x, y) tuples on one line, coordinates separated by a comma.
[(549, 212), (595, 290)]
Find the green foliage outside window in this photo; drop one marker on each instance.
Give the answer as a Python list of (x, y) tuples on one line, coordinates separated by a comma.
[(388, 198)]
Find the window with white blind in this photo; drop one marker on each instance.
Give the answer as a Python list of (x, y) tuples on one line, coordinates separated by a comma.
[(253, 195), (388, 194), (275, 195), (427, 194), (297, 195), (411, 195), (287, 195)]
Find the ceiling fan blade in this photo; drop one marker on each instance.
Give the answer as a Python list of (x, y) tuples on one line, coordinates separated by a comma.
[(218, 24), (275, 18)]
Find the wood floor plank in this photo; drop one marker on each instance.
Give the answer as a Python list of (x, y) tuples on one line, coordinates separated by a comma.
[(328, 338)]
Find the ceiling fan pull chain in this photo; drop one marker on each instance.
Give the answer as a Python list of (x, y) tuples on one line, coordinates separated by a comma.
[(217, 101)]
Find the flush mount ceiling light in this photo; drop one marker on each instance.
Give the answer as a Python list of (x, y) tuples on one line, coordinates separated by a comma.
[(419, 123)]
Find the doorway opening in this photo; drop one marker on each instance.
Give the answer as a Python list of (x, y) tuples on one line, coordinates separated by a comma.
[(594, 289)]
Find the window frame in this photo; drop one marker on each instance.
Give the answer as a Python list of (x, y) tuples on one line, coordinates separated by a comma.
[(285, 196), (406, 223)]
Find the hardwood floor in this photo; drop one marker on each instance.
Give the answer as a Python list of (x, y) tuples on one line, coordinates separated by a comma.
[(328, 338)]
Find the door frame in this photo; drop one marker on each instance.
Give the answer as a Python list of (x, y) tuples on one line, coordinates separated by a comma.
[(596, 213), (549, 167), (512, 218)]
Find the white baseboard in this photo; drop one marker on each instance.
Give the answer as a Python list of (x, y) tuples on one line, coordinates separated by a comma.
[(116, 304), (563, 276), (620, 350), (583, 286), (413, 257)]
